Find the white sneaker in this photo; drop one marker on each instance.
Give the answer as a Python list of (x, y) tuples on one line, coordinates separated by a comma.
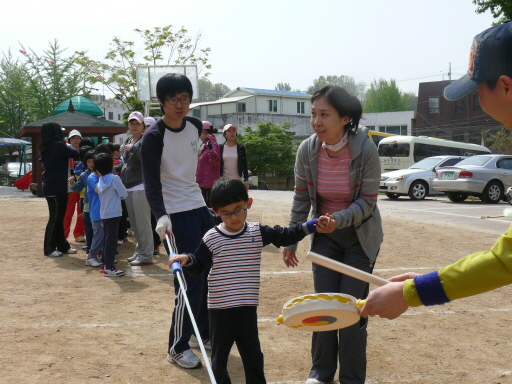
[(132, 258), (55, 254), (112, 272), (84, 246), (92, 263), (71, 251), (315, 381), (186, 359), (119, 242), (193, 343)]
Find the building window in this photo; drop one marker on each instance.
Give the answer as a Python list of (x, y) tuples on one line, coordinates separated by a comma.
[(272, 105), (395, 129), (196, 112), (111, 115), (476, 102), (240, 107), (118, 116), (433, 105), (461, 105), (300, 107)]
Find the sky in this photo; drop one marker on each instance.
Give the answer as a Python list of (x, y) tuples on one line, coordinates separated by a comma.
[(260, 43)]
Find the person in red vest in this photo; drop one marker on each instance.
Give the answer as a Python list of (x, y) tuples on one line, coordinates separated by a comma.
[(74, 197)]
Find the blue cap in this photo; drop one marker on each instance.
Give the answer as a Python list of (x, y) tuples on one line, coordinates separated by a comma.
[(489, 58)]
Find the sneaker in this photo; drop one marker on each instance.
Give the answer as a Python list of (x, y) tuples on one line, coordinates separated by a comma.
[(139, 262), (80, 239), (193, 343), (112, 272), (92, 262), (315, 381), (84, 246), (132, 258), (130, 232), (102, 268), (55, 254), (156, 251), (119, 242), (186, 359), (70, 251)]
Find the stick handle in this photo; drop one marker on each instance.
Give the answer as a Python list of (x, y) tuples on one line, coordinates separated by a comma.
[(345, 269)]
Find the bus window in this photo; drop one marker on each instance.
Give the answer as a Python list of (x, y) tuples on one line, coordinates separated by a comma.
[(394, 150)]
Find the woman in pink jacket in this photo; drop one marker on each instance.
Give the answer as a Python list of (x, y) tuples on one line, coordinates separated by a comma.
[(208, 165)]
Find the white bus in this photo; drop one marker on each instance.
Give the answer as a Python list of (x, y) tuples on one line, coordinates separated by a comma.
[(400, 152)]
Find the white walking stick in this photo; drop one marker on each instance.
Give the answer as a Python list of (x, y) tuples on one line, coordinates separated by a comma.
[(178, 273)]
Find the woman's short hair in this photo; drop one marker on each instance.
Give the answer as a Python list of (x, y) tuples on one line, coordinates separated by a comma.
[(343, 102), (103, 163), (86, 141), (226, 192), (170, 85), (50, 132)]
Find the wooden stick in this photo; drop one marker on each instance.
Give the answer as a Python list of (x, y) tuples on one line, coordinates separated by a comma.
[(345, 269)]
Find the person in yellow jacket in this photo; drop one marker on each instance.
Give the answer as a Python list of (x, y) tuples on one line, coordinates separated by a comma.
[(490, 73)]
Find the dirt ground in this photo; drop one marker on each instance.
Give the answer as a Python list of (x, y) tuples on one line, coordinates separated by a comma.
[(62, 322)]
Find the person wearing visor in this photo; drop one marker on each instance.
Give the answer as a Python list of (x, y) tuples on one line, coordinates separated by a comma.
[(490, 74), (233, 161)]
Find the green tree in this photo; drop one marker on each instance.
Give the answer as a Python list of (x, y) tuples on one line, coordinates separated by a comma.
[(269, 148), (385, 96), (500, 9), (14, 94), (347, 82), (498, 142), (161, 46), (283, 87), (211, 92), (52, 78)]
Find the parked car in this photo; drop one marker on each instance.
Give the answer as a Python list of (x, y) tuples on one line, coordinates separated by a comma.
[(16, 169), (415, 181), (484, 176)]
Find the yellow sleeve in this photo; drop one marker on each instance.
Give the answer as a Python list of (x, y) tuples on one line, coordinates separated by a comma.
[(477, 273)]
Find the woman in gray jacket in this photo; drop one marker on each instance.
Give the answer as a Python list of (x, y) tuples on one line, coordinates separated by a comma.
[(337, 171), (136, 202)]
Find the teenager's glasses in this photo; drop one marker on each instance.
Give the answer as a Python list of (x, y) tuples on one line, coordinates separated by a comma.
[(184, 100), (228, 215)]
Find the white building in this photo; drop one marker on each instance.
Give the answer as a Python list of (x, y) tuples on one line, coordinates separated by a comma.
[(247, 106), (397, 123)]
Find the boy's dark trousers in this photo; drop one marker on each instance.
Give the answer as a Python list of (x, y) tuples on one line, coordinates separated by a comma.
[(242, 330), (111, 228)]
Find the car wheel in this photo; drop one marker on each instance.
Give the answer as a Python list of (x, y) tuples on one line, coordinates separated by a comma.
[(492, 193), (392, 196), (456, 197), (418, 190)]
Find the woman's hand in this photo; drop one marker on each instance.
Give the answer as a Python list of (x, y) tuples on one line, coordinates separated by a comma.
[(290, 258), (326, 223)]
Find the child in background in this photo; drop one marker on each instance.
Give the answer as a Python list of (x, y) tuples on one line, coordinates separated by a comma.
[(94, 214), (81, 186), (111, 191), (233, 252)]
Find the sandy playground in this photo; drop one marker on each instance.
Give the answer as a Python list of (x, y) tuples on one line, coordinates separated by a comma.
[(62, 322)]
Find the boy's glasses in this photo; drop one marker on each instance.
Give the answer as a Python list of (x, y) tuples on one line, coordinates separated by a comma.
[(228, 215), (174, 101)]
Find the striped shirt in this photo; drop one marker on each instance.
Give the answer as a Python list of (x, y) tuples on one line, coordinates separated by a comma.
[(235, 261), (333, 182)]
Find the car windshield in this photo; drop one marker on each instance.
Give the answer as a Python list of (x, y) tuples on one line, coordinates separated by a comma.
[(475, 160), (427, 163)]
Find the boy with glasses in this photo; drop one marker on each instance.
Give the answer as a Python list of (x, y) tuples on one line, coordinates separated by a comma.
[(169, 162), (233, 252)]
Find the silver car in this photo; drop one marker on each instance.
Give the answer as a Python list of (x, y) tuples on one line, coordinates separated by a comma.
[(484, 176), (415, 181)]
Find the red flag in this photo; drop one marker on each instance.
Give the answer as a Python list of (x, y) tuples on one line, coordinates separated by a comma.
[(53, 63), (100, 78), (22, 51), (121, 85)]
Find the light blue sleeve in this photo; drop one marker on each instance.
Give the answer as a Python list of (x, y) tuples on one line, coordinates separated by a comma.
[(121, 190)]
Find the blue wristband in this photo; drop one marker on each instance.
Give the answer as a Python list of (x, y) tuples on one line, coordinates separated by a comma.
[(311, 225), (430, 290)]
